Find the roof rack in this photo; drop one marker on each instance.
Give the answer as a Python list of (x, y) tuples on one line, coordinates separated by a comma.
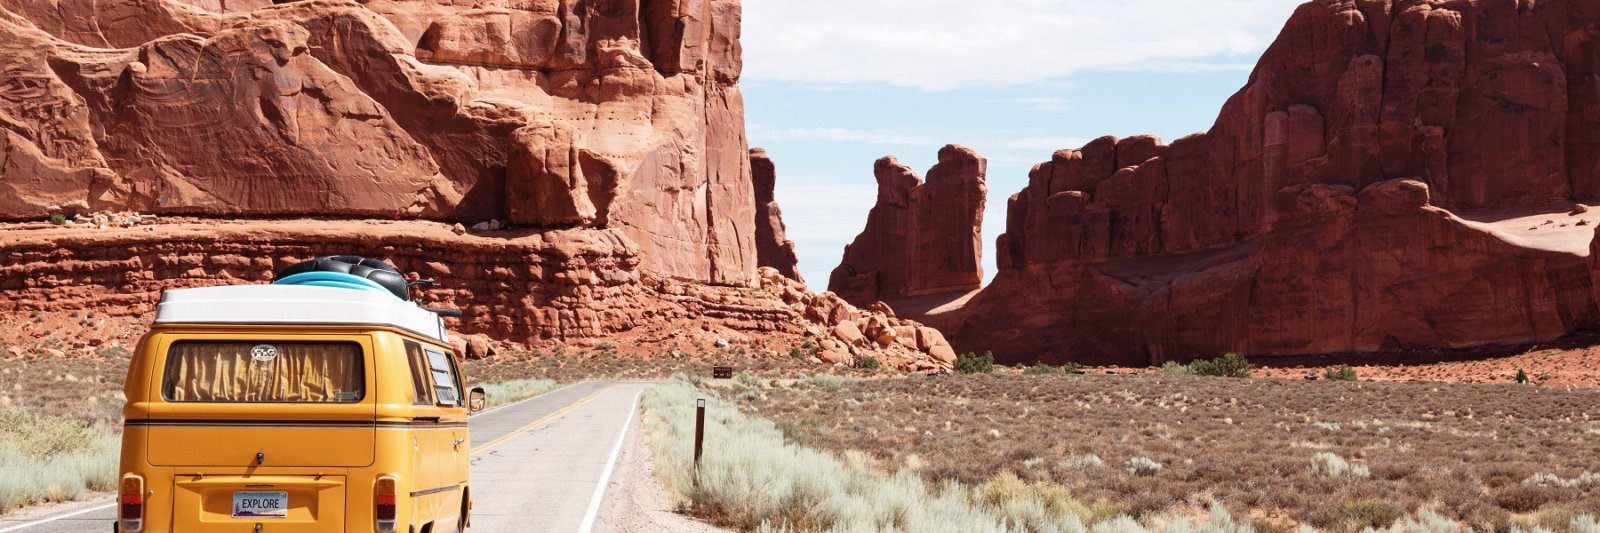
[(298, 304)]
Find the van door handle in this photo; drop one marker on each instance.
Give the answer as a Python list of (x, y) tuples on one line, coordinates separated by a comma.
[(433, 419)]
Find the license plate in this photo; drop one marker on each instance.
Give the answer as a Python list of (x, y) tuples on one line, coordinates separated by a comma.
[(259, 504)]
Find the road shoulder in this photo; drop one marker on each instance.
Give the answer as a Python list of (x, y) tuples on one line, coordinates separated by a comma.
[(635, 501), (58, 510)]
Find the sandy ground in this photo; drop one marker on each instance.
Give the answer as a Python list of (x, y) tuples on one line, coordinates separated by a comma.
[(1556, 228), (635, 500)]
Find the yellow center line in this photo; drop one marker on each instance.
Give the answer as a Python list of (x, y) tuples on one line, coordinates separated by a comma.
[(547, 418)]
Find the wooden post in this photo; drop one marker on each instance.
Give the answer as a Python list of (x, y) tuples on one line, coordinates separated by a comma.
[(699, 435)]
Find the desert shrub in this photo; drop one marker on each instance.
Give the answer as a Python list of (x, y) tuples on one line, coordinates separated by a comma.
[(1331, 465), (1003, 488), (1427, 521), (1172, 367), (827, 381), (1340, 373), (1086, 461), (797, 353), (1372, 513), (1230, 366), (1584, 481), (1040, 370), (1143, 466), (1522, 377), (45, 459), (504, 392), (1586, 524), (1523, 498), (58, 219), (969, 363), (759, 481), (1070, 367), (1449, 448), (867, 362)]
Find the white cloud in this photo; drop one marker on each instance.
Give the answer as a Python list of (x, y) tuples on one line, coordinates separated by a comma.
[(1028, 141), (765, 134), (1049, 104), (947, 44), (1033, 144)]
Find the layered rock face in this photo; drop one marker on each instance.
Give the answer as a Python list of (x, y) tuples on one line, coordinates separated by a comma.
[(547, 114), (1397, 174), (596, 146), (921, 238), (773, 248), (515, 286)]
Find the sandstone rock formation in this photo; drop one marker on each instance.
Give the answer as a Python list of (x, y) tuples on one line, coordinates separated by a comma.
[(595, 148), (549, 114), (1397, 174), (564, 285), (773, 247), (921, 238)]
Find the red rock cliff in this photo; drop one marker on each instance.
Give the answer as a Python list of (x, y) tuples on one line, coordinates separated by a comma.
[(1396, 174), (550, 113), (608, 133), (773, 247), (921, 238)]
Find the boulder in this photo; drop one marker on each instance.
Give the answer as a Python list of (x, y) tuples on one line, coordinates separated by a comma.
[(848, 333)]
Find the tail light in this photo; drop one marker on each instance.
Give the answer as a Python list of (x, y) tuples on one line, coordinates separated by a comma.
[(383, 503), (132, 500)]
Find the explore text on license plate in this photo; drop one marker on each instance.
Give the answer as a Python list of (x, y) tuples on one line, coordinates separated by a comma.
[(260, 504)]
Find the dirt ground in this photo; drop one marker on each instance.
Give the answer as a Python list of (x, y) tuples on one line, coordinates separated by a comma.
[(1335, 455), (1577, 368), (635, 500)]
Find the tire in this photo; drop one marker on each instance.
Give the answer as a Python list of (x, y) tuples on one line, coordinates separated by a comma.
[(461, 521), (382, 273)]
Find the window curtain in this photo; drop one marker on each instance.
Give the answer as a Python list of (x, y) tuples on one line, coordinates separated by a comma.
[(299, 373)]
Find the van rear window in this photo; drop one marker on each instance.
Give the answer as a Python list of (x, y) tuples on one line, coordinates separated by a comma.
[(264, 372)]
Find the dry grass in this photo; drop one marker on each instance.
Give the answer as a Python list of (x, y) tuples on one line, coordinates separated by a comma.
[(1332, 455), (505, 392), (753, 479), (83, 387), (52, 458)]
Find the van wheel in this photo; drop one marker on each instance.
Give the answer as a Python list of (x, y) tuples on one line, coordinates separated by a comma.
[(461, 521)]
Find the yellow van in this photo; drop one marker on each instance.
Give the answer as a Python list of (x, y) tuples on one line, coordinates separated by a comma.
[(318, 406)]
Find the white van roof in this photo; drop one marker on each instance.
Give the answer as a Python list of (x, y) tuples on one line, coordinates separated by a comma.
[(296, 305)]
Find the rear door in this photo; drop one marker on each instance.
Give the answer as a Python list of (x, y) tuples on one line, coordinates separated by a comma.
[(263, 402), (258, 429)]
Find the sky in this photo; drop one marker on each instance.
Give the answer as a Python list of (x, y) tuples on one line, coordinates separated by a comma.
[(830, 86)]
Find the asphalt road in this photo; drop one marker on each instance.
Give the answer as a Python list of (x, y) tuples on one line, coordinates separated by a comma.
[(537, 466)]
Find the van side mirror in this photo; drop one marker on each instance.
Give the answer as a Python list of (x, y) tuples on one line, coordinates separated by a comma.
[(477, 400)]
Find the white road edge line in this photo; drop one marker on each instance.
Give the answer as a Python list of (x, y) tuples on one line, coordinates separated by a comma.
[(114, 504), (611, 465), (59, 517)]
